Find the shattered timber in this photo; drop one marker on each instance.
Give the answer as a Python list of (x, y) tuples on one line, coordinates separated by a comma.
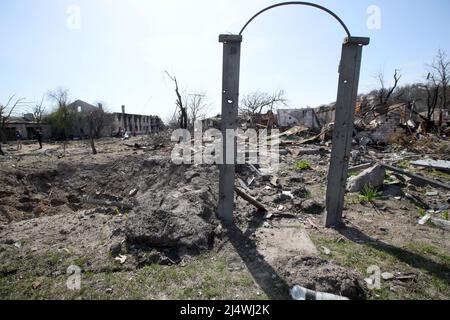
[(357, 209)]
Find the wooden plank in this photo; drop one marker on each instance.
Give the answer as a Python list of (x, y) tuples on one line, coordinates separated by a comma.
[(250, 199), (431, 182), (360, 167)]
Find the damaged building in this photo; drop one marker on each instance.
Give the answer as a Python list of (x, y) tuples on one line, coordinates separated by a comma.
[(27, 126), (136, 123), (311, 118), (133, 123)]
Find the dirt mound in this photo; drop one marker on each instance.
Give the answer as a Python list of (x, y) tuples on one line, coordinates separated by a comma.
[(50, 189), (177, 210), (173, 215), (321, 275)]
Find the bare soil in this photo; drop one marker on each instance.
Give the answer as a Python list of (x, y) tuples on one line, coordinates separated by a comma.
[(140, 227)]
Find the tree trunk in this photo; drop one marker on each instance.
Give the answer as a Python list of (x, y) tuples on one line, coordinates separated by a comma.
[(3, 134), (94, 150), (2, 131)]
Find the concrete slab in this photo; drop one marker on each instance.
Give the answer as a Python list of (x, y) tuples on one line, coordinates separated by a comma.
[(285, 241)]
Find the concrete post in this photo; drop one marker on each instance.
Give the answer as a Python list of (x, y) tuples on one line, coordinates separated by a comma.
[(349, 70), (230, 102), (124, 123)]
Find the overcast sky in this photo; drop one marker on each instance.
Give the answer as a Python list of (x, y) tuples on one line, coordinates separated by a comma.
[(115, 51)]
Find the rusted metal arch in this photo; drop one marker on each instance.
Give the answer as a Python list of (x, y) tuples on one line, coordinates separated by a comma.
[(302, 3)]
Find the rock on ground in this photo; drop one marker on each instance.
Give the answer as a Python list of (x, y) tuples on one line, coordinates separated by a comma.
[(373, 176)]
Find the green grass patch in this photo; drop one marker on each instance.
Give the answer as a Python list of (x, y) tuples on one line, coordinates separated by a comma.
[(431, 251), (431, 265), (369, 194), (202, 278), (352, 174), (422, 212), (440, 174), (82, 262), (404, 164), (303, 165)]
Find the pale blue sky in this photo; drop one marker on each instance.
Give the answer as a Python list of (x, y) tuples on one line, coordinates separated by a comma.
[(122, 47)]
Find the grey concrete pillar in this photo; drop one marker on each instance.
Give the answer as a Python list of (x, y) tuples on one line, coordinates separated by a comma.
[(124, 123), (349, 70), (230, 102)]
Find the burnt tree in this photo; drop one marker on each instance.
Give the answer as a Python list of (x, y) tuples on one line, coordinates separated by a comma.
[(183, 115)]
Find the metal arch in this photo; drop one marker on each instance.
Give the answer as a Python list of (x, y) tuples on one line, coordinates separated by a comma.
[(309, 4)]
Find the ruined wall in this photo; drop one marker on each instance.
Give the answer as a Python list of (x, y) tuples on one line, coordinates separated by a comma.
[(139, 124), (28, 130), (307, 117), (387, 125)]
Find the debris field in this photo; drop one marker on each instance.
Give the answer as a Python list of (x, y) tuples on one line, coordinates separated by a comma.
[(139, 226)]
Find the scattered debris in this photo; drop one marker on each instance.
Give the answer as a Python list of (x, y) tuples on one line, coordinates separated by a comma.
[(274, 181), (250, 199), (387, 276), (117, 204), (360, 167), (35, 285), (166, 214), (326, 251), (431, 182), (300, 293), (133, 192), (441, 165), (121, 258), (18, 244), (425, 219), (443, 224), (288, 194)]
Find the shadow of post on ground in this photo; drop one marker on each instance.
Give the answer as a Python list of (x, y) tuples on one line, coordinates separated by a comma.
[(273, 285)]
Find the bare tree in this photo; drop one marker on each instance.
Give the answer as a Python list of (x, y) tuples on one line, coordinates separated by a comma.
[(38, 112), (439, 71), (254, 104), (183, 115), (60, 96), (95, 121), (385, 93), (63, 116), (101, 120), (5, 113), (197, 107), (432, 88)]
